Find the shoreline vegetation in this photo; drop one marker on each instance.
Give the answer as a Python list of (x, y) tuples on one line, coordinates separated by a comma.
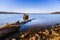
[(9, 13), (55, 13), (29, 13)]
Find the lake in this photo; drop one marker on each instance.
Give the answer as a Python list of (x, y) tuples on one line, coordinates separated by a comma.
[(42, 18)]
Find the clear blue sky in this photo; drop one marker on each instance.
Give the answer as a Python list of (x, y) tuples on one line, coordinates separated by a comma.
[(30, 6)]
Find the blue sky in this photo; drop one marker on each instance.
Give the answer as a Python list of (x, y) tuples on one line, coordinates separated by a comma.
[(30, 6)]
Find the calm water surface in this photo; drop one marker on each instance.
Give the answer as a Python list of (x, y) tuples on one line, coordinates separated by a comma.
[(42, 18)]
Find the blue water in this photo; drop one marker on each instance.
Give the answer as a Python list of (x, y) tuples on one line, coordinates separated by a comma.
[(42, 18)]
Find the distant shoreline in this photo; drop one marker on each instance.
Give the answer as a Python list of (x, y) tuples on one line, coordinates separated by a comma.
[(28, 13), (55, 13), (10, 13)]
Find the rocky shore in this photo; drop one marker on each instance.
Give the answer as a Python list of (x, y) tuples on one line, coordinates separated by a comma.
[(52, 34)]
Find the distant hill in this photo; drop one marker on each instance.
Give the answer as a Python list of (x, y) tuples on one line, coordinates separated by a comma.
[(9, 13), (55, 13), (29, 13)]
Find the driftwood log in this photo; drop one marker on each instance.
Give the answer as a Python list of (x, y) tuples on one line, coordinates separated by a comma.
[(9, 29)]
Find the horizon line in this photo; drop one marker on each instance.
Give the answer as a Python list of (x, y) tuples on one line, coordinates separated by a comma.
[(25, 12)]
